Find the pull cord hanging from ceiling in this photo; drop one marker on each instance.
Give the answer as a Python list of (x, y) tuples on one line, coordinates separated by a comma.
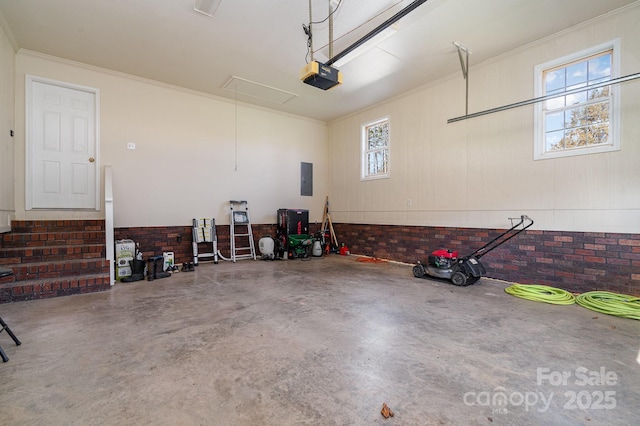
[(235, 169)]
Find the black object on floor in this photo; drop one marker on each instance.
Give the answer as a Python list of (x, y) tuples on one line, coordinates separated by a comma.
[(4, 325), (155, 268), (137, 271), (5, 272)]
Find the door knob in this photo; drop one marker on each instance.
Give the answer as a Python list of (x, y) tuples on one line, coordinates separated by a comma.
[(91, 159)]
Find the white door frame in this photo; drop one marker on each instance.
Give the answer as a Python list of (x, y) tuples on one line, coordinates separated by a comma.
[(29, 80)]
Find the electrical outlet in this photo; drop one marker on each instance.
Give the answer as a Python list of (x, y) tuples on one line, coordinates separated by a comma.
[(409, 202), (131, 145)]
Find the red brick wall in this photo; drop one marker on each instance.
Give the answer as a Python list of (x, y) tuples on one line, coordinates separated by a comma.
[(156, 240), (575, 261)]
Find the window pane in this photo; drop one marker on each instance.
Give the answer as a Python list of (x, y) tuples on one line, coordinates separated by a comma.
[(577, 74), (554, 140), (554, 80), (381, 161), (576, 98), (598, 113), (377, 162), (601, 92), (575, 138), (598, 134), (555, 103), (600, 68), (371, 164), (554, 121), (575, 117), (577, 86), (377, 136)]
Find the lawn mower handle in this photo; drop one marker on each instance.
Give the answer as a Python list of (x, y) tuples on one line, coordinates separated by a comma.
[(493, 244)]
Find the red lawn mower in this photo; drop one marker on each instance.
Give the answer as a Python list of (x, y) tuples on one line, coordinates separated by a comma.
[(463, 271)]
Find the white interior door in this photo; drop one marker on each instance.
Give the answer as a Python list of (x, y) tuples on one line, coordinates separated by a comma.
[(62, 146)]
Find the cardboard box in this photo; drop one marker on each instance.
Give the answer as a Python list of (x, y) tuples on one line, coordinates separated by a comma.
[(123, 271), (125, 249)]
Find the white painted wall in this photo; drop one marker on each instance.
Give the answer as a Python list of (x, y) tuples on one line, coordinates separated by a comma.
[(7, 143), (479, 172), (187, 148), (473, 173)]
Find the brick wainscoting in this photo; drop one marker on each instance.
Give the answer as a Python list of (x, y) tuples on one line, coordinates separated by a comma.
[(575, 261), (156, 240)]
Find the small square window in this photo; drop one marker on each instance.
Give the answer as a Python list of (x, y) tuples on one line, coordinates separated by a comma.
[(375, 149)]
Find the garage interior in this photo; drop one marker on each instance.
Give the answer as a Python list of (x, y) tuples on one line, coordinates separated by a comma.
[(448, 120), (325, 341)]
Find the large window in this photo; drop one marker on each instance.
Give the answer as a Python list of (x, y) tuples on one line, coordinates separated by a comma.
[(583, 122), (375, 149)]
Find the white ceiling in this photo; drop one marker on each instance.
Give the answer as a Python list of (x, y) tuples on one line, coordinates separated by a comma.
[(263, 44)]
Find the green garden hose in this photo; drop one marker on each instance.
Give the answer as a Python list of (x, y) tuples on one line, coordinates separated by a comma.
[(608, 303), (541, 293)]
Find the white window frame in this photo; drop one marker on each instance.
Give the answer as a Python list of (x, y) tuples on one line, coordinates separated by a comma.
[(364, 170), (540, 152)]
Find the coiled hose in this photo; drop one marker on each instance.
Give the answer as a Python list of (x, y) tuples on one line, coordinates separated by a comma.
[(609, 303), (620, 305), (541, 293)]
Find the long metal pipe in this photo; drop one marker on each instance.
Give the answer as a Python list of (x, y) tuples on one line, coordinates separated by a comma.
[(544, 98), (395, 18)]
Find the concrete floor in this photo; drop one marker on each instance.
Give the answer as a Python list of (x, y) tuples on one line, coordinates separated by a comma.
[(318, 342)]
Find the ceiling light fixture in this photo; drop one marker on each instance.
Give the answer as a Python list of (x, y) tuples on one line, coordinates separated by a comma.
[(206, 7)]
